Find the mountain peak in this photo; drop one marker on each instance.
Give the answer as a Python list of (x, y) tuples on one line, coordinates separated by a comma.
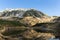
[(21, 12)]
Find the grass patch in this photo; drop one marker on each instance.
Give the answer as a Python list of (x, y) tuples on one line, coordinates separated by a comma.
[(13, 23)]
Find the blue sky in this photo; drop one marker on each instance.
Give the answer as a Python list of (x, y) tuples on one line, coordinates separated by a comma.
[(49, 7)]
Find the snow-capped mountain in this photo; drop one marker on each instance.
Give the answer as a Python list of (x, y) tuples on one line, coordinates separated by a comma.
[(21, 13)]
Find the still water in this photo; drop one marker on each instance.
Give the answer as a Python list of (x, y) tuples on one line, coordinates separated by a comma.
[(53, 39)]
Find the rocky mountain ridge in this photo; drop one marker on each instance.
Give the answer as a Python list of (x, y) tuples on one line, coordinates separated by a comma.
[(21, 13)]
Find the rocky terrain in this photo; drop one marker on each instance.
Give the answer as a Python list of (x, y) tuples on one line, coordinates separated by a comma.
[(28, 24)]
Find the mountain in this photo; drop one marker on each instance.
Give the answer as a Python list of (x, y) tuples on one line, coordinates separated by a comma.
[(20, 13), (28, 24)]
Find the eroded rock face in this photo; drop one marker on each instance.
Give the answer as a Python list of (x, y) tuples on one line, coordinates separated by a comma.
[(30, 21)]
